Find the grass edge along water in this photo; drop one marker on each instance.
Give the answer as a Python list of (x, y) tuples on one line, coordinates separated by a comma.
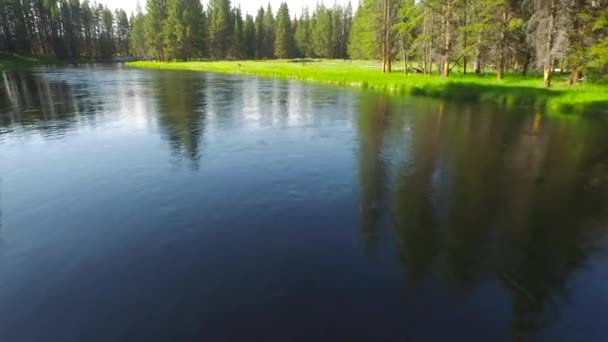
[(513, 91)]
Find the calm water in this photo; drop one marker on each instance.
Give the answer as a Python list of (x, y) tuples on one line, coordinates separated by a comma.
[(176, 206)]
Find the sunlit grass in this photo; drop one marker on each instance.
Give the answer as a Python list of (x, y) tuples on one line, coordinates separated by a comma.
[(512, 91)]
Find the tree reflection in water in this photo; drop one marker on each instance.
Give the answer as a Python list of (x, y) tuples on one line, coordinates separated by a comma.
[(479, 197)]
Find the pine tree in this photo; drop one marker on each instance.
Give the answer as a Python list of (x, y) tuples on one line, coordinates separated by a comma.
[(137, 39), (238, 35), (260, 34), (363, 42), (322, 33), (122, 32), (283, 44), (302, 35), (249, 37), (220, 28), (268, 33), (155, 18), (183, 29), (411, 16)]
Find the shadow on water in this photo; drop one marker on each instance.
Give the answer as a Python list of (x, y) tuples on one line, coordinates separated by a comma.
[(475, 196)]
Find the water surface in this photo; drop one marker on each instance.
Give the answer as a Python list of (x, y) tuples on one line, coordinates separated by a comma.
[(144, 205)]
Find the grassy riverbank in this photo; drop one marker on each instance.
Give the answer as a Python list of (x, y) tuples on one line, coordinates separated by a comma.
[(10, 61), (513, 91)]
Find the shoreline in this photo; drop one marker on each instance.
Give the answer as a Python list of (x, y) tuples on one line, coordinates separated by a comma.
[(512, 92)]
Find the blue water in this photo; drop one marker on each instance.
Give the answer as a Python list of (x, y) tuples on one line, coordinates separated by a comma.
[(178, 206)]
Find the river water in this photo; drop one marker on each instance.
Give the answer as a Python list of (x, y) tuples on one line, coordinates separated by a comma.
[(141, 205)]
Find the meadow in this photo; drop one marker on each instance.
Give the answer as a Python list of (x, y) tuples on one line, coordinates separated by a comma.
[(514, 90)]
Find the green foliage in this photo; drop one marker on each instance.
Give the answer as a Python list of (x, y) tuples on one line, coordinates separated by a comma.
[(260, 34), (302, 35), (322, 33), (268, 40), (363, 41), (283, 44), (183, 29), (220, 28), (137, 39), (155, 18), (238, 35), (249, 37)]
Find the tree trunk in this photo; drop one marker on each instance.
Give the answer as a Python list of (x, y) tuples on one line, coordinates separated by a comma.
[(478, 53), (447, 38), (465, 37), (404, 52), (386, 38), (548, 74), (576, 76), (526, 65), (548, 63), (500, 65)]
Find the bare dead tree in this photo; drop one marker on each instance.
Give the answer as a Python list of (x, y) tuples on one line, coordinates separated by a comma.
[(547, 30)]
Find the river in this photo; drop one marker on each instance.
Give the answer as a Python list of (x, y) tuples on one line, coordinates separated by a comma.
[(140, 205)]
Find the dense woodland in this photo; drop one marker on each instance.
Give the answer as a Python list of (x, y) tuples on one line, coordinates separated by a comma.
[(427, 36)]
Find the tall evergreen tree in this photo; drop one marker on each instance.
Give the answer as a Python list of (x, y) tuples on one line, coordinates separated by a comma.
[(220, 28), (137, 40), (183, 29), (122, 32), (363, 42), (302, 35), (260, 34), (322, 33), (249, 37), (155, 19), (283, 43), (238, 35), (268, 43)]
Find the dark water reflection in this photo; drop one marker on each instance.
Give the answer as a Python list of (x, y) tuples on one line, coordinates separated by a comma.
[(144, 205)]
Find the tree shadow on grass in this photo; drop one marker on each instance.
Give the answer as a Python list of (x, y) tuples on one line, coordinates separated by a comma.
[(303, 60)]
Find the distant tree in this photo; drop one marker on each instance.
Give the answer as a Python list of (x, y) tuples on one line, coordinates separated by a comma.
[(322, 32), (107, 39), (260, 34), (137, 40), (302, 35), (284, 42), (249, 37), (155, 18), (408, 29), (220, 28), (268, 42), (238, 36), (122, 32), (183, 29), (364, 41)]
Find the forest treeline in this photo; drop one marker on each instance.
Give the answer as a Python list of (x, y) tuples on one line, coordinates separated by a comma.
[(427, 36)]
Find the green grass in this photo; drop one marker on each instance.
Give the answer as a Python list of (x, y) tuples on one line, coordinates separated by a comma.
[(10, 61), (512, 91)]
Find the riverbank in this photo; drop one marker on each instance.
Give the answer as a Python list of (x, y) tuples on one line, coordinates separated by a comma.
[(10, 61), (511, 92)]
